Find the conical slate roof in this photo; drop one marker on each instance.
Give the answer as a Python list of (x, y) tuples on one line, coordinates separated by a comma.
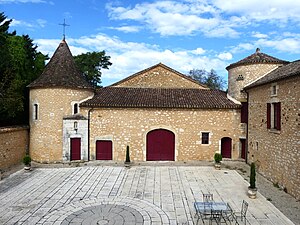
[(61, 71), (257, 57)]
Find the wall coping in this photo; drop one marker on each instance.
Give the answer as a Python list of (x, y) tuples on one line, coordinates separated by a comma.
[(13, 128)]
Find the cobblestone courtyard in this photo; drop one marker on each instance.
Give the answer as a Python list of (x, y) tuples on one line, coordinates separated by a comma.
[(119, 195)]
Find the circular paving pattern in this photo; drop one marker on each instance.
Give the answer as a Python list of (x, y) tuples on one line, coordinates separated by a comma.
[(108, 211), (105, 214)]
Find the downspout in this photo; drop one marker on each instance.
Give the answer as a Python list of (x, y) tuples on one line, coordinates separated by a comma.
[(89, 118), (247, 130)]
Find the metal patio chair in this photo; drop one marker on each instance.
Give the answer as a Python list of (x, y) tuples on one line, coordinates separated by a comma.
[(208, 197), (241, 214)]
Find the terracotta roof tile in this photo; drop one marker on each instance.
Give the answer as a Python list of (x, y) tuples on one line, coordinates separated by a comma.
[(282, 72), (257, 57), (61, 71), (110, 97)]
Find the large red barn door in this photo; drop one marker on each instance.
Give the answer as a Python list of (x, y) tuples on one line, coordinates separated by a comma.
[(226, 147), (103, 150), (75, 148), (160, 145)]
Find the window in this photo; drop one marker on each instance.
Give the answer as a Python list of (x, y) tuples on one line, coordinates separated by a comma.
[(75, 108), (274, 116), (240, 77), (274, 90), (35, 111), (205, 138)]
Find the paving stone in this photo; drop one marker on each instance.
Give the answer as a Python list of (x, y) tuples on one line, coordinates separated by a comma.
[(146, 195)]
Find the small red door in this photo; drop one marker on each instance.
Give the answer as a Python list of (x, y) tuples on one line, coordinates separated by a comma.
[(160, 145), (103, 150), (75, 148), (226, 147), (243, 150)]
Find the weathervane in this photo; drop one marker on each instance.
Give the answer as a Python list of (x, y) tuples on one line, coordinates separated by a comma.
[(64, 28)]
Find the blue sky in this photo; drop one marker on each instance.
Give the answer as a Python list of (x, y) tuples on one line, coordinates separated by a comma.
[(183, 34)]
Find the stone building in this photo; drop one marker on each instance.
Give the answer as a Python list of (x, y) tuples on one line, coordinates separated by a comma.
[(159, 113), (163, 115), (274, 126)]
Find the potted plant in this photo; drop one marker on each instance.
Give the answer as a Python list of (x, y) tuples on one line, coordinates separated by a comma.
[(27, 162), (218, 159), (127, 160), (252, 190)]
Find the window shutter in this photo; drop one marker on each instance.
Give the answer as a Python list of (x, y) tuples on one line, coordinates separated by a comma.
[(278, 111), (268, 115)]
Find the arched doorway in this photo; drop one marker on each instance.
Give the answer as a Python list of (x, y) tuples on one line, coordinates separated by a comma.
[(226, 147), (160, 145)]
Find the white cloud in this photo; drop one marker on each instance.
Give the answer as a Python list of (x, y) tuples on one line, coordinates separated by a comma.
[(262, 10), (15, 23), (259, 35), (131, 57), (217, 18), (225, 56), (30, 25), (198, 51), (290, 45), (176, 18), (127, 29)]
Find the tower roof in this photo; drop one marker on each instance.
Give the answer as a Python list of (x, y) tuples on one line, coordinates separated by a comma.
[(61, 71), (257, 57)]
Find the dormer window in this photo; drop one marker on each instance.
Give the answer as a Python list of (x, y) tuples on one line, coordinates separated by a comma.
[(75, 108), (240, 77)]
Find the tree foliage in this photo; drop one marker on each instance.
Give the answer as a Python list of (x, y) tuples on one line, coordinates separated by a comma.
[(90, 64), (20, 64), (211, 79)]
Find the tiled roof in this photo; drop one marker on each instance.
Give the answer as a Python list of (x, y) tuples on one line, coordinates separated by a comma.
[(163, 66), (282, 72), (257, 57), (61, 71), (110, 97)]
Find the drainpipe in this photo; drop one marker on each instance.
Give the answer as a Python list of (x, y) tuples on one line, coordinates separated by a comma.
[(89, 118), (247, 130)]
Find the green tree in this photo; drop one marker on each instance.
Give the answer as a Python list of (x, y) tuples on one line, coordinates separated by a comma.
[(90, 64), (211, 79), (20, 64)]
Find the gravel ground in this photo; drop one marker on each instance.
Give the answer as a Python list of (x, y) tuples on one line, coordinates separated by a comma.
[(287, 204)]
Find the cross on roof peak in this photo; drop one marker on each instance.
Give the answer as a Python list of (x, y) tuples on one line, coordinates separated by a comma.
[(64, 28)]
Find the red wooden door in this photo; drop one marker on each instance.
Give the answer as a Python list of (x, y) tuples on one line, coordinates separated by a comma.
[(75, 148), (243, 150), (160, 145), (226, 147), (103, 150)]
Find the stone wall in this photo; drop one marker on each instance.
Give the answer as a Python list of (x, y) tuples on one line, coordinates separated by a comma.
[(130, 127), (46, 133), (13, 145), (159, 77), (239, 77), (276, 152)]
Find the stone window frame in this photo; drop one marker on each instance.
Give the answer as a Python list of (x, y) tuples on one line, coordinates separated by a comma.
[(274, 116), (209, 137), (274, 89), (35, 111), (75, 108)]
